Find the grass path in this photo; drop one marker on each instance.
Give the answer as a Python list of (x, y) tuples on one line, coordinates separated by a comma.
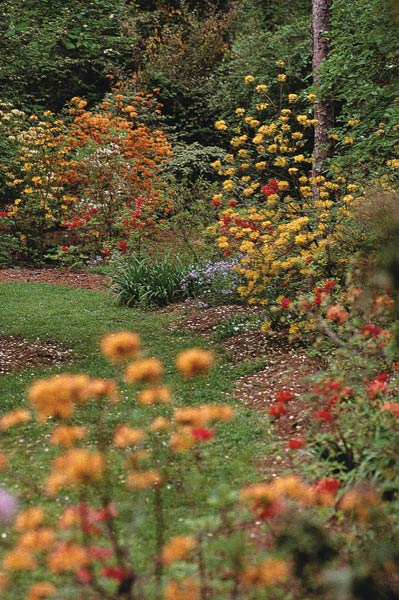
[(79, 318)]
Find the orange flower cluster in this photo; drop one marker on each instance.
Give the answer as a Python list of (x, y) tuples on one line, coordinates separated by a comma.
[(183, 589), (76, 466), (194, 361), (57, 396), (178, 548), (120, 346), (267, 573)]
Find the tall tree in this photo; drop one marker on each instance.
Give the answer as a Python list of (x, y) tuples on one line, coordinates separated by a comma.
[(321, 16)]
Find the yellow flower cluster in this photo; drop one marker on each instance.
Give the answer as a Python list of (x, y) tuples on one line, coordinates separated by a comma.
[(286, 225)]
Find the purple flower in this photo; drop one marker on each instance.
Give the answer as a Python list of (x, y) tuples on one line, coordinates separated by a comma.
[(8, 506)]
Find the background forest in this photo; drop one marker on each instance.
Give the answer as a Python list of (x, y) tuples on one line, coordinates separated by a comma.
[(196, 55)]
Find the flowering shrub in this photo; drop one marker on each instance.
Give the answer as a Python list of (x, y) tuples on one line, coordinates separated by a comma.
[(34, 175), (94, 173), (287, 226), (102, 474), (215, 282), (117, 160)]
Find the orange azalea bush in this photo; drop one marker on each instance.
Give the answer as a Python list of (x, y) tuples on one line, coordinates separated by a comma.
[(117, 156), (94, 173), (105, 477)]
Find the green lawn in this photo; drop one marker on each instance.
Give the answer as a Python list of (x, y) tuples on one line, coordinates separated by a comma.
[(78, 319)]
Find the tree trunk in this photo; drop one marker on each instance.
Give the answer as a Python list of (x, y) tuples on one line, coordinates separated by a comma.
[(321, 13)]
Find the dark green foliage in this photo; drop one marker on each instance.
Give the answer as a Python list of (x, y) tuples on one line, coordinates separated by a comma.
[(361, 76), (52, 51), (191, 162), (263, 34), (138, 282)]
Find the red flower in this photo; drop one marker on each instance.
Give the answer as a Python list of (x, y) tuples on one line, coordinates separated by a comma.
[(328, 485), (371, 330), (265, 512), (106, 252), (323, 415), (295, 444), (284, 396), (102, 514), (116, 573), (4, 214), (376, 387), (285, 302), (98, 553), (233, 203), (277, 410), (392, 407), (122, 247), (215, 202), (385, 377), (201, 433), (270, 188), (84, 575), (64, 248)]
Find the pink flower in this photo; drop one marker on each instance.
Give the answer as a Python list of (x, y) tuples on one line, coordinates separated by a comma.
[(8, 506)]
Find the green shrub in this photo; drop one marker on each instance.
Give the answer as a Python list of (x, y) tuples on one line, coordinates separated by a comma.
[(158, 283)]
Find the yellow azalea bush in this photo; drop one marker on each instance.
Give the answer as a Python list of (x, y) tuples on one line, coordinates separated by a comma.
[(34, 175), (80, 528), (287, 227)]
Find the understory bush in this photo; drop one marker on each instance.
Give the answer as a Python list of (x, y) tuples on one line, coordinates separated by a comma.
[(139, 281), (165, 279)]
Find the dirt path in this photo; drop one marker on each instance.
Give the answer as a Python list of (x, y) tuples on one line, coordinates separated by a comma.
[(89, 281)]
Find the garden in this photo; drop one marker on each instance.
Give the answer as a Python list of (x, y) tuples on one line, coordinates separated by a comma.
[(199, 279)]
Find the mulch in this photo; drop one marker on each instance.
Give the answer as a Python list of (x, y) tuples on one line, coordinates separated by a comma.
[(88, 281), (18, 353)]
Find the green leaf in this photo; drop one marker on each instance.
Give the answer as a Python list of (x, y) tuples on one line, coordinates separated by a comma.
[(22, 26)]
